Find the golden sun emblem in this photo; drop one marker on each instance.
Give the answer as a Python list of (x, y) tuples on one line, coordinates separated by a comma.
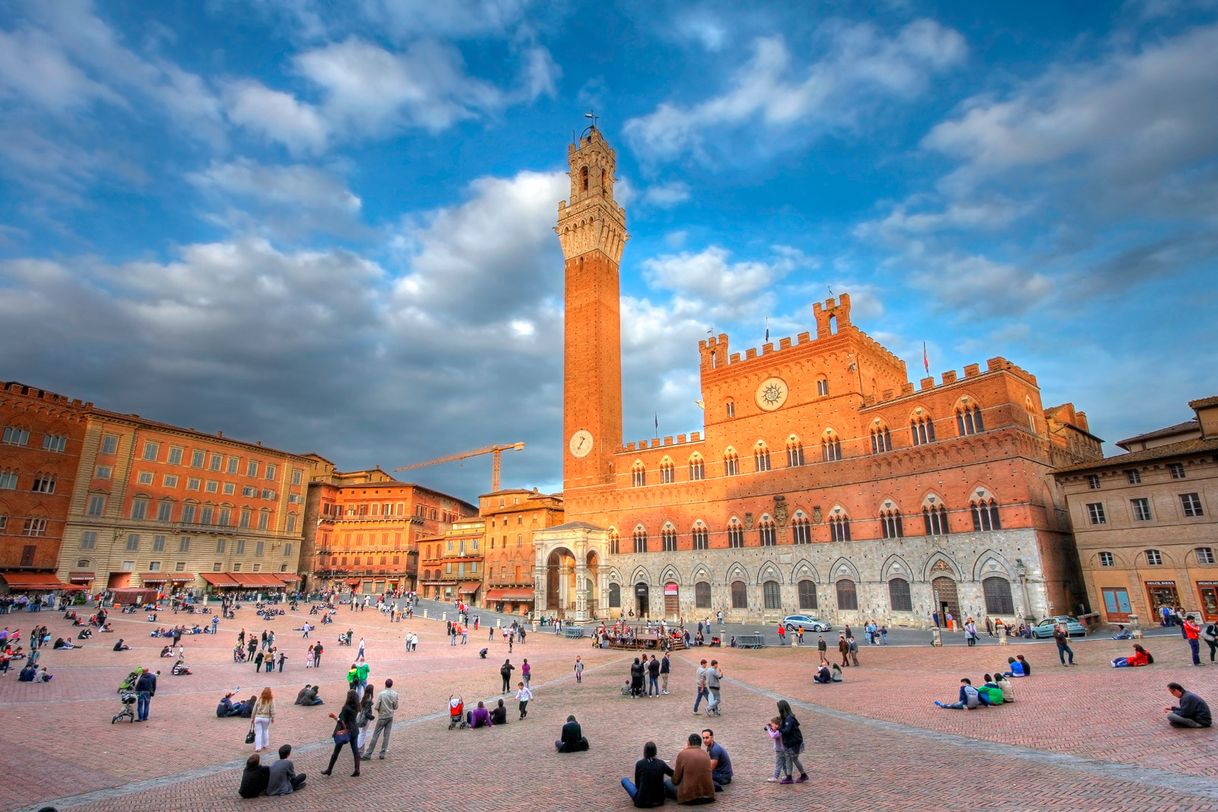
[(771, 394)]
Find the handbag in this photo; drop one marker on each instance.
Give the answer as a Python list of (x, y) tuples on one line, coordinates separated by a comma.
[(249, 737), (342, 736)]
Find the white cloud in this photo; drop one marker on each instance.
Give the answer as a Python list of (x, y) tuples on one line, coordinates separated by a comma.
[(667, 195), (975, 286), (276, 116), (34, 68), (775, 91), (407, 19), (710, 277)]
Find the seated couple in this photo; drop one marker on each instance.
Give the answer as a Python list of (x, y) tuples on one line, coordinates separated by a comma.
[(481, 717), (278, 779), (828, 673), (1019, 667), (690, 783), (970, 698)]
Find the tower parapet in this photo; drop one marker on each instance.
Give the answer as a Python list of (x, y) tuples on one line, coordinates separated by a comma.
[(591, 220), (713, 351), (833, 316)]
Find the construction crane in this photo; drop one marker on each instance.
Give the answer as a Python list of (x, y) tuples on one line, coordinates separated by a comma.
[(493, 450)]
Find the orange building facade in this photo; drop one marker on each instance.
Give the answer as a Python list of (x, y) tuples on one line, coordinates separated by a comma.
[(160, 506), (366, 528), (824, 481), (39, 455), (451, 564)]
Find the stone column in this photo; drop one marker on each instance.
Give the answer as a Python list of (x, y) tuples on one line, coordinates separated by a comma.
[(539, 589), (581, 590)]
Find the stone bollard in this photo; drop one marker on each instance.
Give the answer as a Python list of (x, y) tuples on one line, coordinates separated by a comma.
[(1002, 635), (535, 625), (1135, 628), (424, 613), (498, 622), (444, 616), (936, 636)]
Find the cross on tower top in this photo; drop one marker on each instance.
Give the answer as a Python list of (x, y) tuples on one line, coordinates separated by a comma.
[(591, 114)]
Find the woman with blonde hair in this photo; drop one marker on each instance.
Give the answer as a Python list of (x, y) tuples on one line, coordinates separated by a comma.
[(264, 714)]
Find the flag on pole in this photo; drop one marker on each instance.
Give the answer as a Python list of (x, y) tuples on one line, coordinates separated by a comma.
[(657, 414), (925, 359), (767, 328)]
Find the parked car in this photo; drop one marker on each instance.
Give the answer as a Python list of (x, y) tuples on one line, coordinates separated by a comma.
[(805, 622), (1045, 627)]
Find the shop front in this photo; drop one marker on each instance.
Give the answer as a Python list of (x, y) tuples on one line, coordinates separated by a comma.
[(1208, 592), (1160, 594)]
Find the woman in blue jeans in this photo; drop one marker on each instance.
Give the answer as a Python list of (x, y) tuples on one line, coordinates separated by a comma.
[(792, 744)]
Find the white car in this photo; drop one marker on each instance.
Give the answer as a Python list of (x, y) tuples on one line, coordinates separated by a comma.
[(805, 622)]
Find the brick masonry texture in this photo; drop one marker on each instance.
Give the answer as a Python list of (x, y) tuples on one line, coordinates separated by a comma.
[(1088, 737)]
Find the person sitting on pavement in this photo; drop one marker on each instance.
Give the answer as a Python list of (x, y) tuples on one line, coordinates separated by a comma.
[(572, 739), (479, 716), (823, 675), (308, 696), (1008, 690), (1139, 657), (835, 674), (499, 714), (691, 774), (61, 643), (649, 789), (28, 673), (990, 693), (226, 707), (1192, 710), (721, 763), (1122, 633), (1016, 668), (180, 669), (254, 778), (121, 646), (969, 697), (283, 778)]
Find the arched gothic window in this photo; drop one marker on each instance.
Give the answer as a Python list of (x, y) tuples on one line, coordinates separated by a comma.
[(968, 419), (985, 514)]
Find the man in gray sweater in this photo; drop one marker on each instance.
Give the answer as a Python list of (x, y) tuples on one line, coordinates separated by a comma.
[(1192, 710), (386, 705), (283, 779)]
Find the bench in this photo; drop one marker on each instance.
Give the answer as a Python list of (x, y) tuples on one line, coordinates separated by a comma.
[(750, 641)]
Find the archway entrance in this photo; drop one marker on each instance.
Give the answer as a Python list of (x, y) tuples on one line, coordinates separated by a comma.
[(946, 600), (672, 600), (560, 582), (642, 599)]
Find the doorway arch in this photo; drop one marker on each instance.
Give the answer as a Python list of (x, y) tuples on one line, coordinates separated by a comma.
[(642, 599), (560, 581), (947, 599)]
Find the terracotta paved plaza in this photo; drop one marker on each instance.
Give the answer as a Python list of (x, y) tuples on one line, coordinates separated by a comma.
[(1088, 737)]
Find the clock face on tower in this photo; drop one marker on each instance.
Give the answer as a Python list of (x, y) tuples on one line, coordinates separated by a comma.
[(771, 394), (581, 443)]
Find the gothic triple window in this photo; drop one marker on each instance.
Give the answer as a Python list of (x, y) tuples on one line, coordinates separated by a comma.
[(668, 472), (761, 457), (795, 452), (831, 447), (638, 475), (891, 525), (700, 536), (839, 528), (731, 463), (801, 530), (881, 440), (935, 519), (697, 468), (669, 537), (735, 533), (614, 542), (985, 514), (767, 534), (968, 419), (922, 429), (640, 539)]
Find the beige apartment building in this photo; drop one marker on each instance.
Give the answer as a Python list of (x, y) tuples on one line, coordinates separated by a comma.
[(175, 509), (1144, 521)]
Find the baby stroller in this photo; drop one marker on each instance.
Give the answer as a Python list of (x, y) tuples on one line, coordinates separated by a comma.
[(456, 712), (127, 696)]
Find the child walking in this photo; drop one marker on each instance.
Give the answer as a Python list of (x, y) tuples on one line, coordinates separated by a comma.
[(579, 670), (779, 751), (523, 695)]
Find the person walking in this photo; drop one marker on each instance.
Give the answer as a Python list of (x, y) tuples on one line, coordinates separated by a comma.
[(792, 743), (1191, 632), (1062, 637), (264, 714), (666, 667), (505, 671), (386, 705), (713, 675), (653, 676), (523, 695), (364, 716), (526, 670), (579, 670), (854, 650), (1210, 635), (843, 648), (345, 732), (145, 690), (359, 654), (701, 683)]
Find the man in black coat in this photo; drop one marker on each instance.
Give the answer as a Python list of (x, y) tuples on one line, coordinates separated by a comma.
[(145, 689), (572, 740), (649, 788)]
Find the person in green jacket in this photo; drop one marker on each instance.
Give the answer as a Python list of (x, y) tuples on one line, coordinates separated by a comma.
[(361, 673), (990, 692)]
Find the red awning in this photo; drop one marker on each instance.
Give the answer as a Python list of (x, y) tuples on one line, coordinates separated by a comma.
[(153, 577), (509, 594), (181, 577), (221, 579), (81, 576), (470, 587), (37, 581), (287, 577)]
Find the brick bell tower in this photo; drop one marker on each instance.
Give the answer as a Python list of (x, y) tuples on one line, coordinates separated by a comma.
[(592, 231)]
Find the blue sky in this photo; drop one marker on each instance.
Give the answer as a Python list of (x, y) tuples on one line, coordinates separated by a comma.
[(329, 226)]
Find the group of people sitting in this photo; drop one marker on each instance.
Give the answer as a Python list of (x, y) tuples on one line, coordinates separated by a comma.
[(241, 708), (995, 690), (701, 769), (308, 697), (32, 673), (280, 778), (827, 672), (481, 716)]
